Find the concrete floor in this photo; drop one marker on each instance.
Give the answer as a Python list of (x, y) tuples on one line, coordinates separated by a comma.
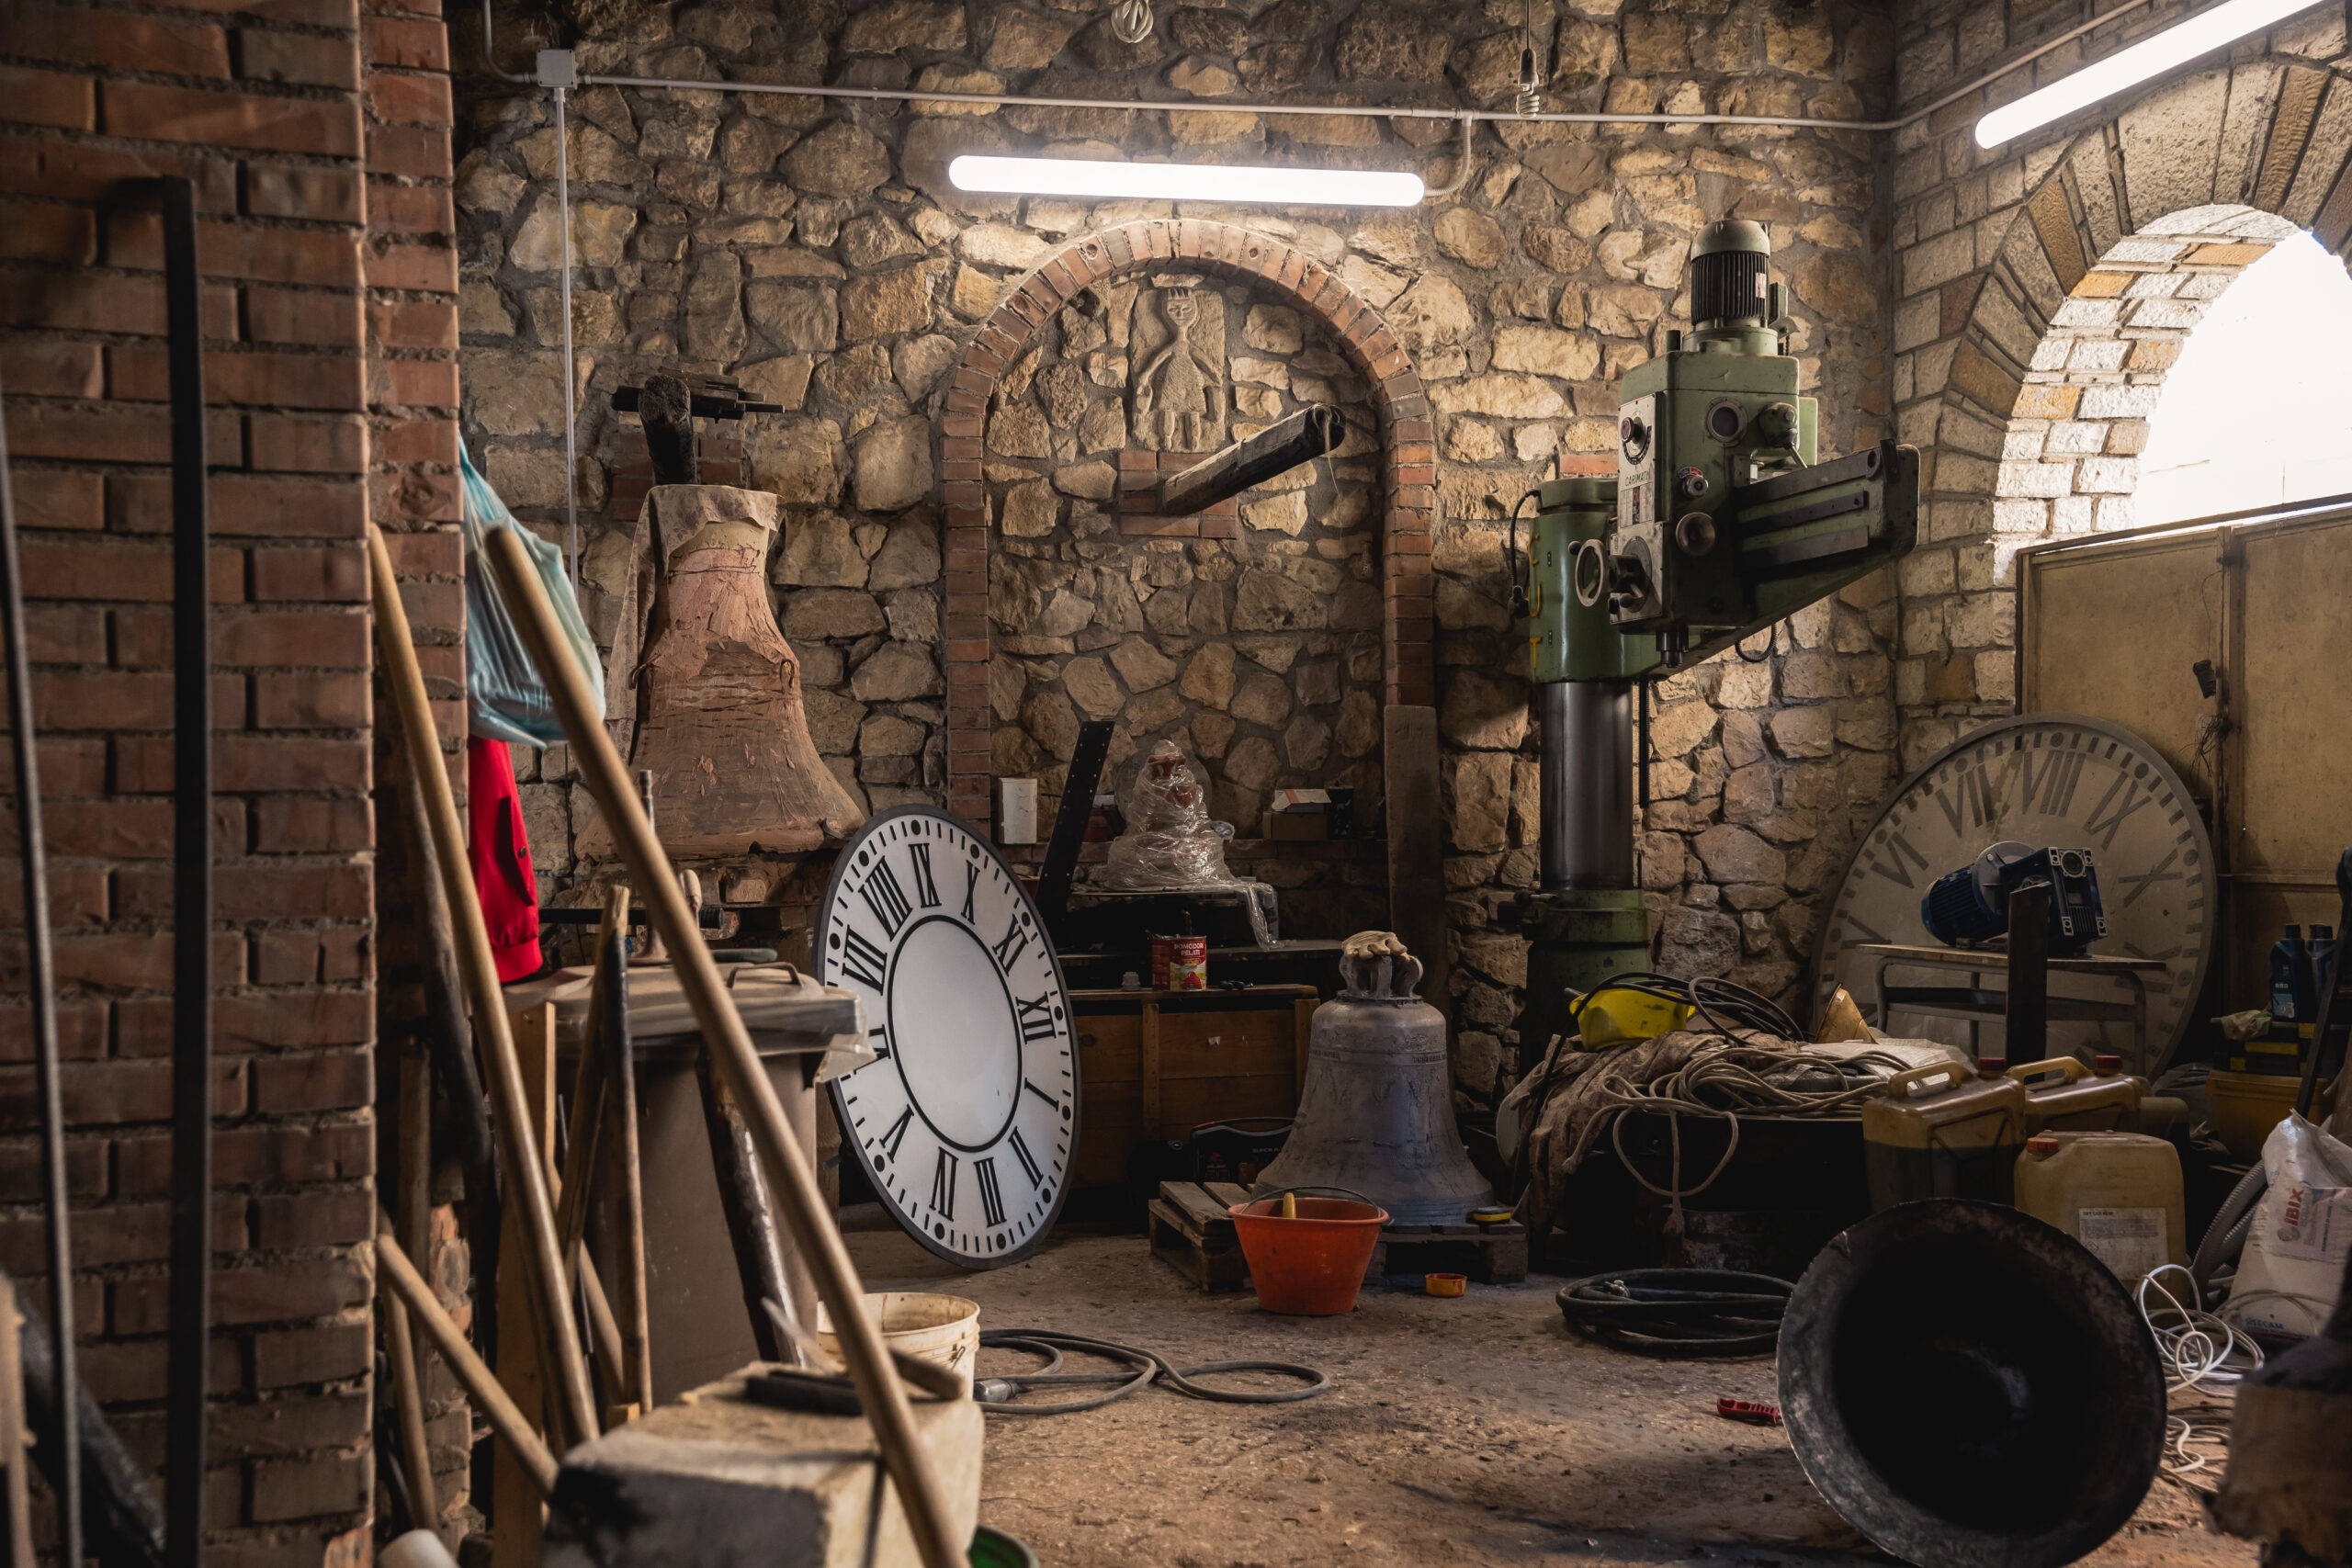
[(1475, 1430)]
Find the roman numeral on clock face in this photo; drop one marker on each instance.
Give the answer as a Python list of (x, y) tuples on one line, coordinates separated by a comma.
[(926, 888), (886, 898), (1020, 1147), (861, 960), (1036, 1017), (898, 1133), (1012, 945), (942, 1186), (991, 1201), (971, 889)]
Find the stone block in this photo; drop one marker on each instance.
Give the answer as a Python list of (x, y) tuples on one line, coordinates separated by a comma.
[(723, 1479)]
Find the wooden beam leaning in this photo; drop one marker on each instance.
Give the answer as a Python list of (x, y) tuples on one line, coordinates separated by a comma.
[(581, 707), (505, 1418), (1281, 447), (554, 1327)]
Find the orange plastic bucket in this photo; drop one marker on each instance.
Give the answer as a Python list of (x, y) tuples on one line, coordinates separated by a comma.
[(1314, 1265)]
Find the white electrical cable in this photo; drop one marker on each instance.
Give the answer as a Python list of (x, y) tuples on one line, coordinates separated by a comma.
[(2199, 1347)]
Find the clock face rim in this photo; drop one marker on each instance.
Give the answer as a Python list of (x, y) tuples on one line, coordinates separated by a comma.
[(1825, 976), (834, 890)]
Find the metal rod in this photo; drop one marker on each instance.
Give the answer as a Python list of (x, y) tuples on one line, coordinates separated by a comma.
[(749, 1211), (1585, 783), (416, 1177), (554, 1328), (571, 414), (2025, 1029), (40, 954), (581, 709), (505, 1418), (191, 1248)]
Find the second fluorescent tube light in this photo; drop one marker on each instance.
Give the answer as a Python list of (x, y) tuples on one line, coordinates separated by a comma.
[(1186, 182), (2200, 34)]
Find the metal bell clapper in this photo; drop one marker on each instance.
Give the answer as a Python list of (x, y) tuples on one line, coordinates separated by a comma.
[(1376, 1115)]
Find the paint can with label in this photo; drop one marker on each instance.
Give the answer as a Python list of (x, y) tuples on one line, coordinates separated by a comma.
[(1180, 963)]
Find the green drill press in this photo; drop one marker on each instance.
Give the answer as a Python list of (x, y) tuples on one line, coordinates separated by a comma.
[(1719, 524)]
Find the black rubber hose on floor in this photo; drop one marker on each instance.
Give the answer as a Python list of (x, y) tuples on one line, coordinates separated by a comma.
[(1679, 1312), (998, 1395)]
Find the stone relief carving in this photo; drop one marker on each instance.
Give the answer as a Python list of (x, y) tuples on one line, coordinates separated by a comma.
[(1176, 398)]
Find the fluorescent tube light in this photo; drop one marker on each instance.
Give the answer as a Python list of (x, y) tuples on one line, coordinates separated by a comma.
[(1187, 182), (2200, 34)]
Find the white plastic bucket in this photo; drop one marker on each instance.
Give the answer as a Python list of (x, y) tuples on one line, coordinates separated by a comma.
[(946, 1329)]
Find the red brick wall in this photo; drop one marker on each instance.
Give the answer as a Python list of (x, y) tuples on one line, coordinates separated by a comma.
[(318, 143)]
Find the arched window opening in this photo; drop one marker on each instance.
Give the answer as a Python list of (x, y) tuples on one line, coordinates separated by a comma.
[(2253, 414)]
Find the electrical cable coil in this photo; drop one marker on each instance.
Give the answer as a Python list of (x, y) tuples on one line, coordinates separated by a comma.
[(998, 1394), (1679, 1312)]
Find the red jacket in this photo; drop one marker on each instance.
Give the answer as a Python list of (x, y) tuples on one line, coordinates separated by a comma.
[(501, 851)]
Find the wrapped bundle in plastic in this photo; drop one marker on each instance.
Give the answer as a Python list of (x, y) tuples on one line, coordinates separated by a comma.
[(1169, 843)]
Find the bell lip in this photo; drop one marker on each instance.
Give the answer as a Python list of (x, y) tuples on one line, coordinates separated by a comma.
[(1861, 1495)]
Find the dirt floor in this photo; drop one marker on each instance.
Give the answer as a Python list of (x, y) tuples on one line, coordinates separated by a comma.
[(1473, 1430)]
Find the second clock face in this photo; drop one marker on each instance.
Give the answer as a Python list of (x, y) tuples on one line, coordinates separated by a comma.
[(966, 1120)]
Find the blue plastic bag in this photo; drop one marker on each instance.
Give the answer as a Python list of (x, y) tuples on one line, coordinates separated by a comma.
[(506, 699)]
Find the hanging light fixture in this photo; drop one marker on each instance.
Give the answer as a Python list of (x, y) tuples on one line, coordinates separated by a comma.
[(1185, 181), (2200, 34)]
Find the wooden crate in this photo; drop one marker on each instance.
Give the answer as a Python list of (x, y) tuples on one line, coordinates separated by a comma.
[(1193, 1232), (1157, 1064), (1492, 1255)]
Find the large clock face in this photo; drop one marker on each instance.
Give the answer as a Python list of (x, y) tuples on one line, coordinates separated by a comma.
[(967, 1119), (2053, 780)]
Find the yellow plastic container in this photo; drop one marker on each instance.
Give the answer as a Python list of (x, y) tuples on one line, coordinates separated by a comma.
[(2117, 1193), (2247, 1105), (1942, 1131), (1613, 1016), (2063, 1096)]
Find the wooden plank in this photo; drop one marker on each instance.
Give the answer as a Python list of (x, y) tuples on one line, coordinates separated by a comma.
[(1195, 1204), (1153, 1127), (1228, 1194), (1214, 1263), (1110, 1048), (1416, 843)]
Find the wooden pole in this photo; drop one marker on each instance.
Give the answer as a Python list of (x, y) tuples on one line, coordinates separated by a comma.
[(554, 1326), (481, 1385), (581, 707), (613, 957), (407, 1408)]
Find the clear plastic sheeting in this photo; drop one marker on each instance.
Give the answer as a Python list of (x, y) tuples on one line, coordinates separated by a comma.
[(1169, 844)]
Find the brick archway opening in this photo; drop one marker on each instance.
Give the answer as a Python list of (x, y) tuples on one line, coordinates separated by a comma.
[(1408, 466)]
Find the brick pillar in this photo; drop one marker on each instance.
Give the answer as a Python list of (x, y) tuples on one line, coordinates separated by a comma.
[(265, 110)]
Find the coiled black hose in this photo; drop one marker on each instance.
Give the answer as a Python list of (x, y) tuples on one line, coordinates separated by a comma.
[(998, 1395), (1679, 1312)]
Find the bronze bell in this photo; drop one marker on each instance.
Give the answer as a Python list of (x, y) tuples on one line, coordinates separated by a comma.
[(1376, 1115)]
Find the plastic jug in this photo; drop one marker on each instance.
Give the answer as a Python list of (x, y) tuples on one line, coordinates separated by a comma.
[(2117, 1193), (1941, 1131), (2292, 988), (2063, 1096)]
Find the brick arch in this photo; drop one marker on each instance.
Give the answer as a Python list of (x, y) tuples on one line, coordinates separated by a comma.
[(2021, 350), (1407, 437)]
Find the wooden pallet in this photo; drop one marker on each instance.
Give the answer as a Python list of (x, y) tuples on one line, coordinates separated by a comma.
[(1190, 1230), (1492, 1255)]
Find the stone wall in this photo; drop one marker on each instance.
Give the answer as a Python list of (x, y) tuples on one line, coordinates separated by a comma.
[(2043, 289), (813, 249)]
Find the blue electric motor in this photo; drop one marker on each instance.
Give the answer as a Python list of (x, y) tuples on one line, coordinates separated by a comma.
[(1971, 906)]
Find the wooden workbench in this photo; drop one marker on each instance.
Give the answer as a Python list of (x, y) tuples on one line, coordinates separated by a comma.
[(1157, 1063)]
